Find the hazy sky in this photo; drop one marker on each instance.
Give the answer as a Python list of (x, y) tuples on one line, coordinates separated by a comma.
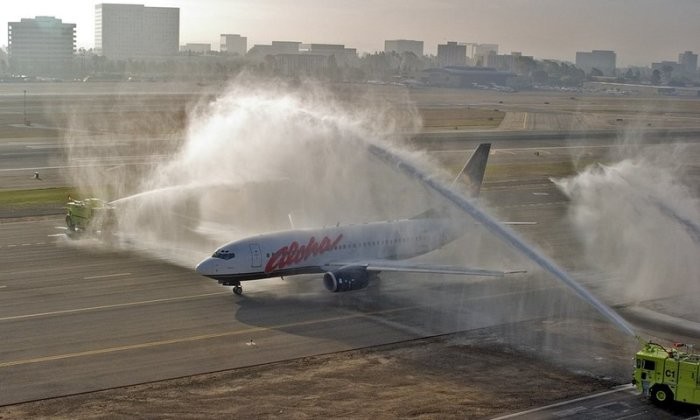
[(640, 31)]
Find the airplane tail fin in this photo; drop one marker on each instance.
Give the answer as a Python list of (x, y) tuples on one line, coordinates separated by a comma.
[(472, 174), (471, 177)]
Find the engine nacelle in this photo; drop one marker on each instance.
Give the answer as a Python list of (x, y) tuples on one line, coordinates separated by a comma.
[(346, 279)]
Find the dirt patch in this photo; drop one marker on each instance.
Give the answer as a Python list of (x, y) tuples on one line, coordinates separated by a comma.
[(429, 378)]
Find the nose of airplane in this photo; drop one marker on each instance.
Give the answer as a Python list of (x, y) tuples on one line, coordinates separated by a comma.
[(206, 267)]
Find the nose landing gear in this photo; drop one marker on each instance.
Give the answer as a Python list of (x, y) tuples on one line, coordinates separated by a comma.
[(238, 289)]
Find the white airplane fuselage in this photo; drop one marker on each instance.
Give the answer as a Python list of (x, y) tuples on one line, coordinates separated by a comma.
[(307, 251)]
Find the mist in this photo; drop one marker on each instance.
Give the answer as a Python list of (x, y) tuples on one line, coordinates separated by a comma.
[(638, 219), (257, 158)]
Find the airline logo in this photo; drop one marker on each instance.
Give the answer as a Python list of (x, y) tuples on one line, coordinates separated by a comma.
[(295, 253)]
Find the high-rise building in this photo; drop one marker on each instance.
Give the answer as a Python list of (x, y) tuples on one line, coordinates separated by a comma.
[(597, 59), (452, 54), (134, 31), (689, 63), (401, 46), (43, 46), (233, 44)]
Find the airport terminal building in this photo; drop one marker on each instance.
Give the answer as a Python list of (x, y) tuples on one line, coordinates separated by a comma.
[(124, 31), (43, 46), (465, 77)]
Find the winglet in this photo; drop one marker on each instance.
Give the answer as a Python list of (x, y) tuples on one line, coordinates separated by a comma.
[(472, 174)]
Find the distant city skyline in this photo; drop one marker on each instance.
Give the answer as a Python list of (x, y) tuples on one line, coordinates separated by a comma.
[(639, 31)]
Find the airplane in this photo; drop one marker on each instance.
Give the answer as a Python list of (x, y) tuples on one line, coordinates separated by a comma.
[(348, 256)]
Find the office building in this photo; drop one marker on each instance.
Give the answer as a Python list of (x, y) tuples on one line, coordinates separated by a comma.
[(260, 51), (124, 31), (233, 44), (514, 62), (668, 70), (400, 46), (343, 56), (477, 53), (452, 54), (43, 46), (597, 59), (689, 63)]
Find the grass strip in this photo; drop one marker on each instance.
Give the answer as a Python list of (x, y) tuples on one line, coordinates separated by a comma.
[(36, 197)]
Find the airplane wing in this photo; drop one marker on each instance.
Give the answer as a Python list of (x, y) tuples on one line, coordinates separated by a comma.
[(407, 267)]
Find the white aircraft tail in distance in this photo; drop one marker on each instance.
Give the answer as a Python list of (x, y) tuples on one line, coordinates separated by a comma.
[(348, 256)]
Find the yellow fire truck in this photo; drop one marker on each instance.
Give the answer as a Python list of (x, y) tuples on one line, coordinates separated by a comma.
[(91, 214), (666, 375)]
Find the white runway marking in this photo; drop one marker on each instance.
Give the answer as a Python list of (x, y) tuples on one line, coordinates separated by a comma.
[(106, 276), (2, 287), (116, 305)]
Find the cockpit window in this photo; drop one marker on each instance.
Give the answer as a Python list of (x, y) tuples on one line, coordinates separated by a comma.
[(224, 254)]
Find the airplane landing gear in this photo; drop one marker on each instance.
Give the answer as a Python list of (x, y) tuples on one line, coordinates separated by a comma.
[(238, 289)]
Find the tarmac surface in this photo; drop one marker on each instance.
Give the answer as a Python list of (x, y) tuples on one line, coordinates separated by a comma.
[(77, 317)]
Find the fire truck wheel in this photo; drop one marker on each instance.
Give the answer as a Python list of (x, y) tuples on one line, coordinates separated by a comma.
[(661, 395)]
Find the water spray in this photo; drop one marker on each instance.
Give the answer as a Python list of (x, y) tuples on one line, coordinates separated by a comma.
[(502, 232), (258, 152), (638, 219), (690, 226)]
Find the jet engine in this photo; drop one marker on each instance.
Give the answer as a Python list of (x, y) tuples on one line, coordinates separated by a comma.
[(345, 280)]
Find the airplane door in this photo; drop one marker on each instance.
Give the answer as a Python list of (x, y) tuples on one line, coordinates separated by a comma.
[(255, 254)]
